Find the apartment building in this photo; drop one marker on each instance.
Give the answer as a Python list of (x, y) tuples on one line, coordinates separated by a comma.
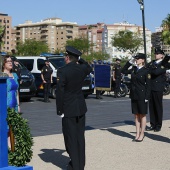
[(94, 34), (157, 40), (111, 30), (6, 20), (52, 31)]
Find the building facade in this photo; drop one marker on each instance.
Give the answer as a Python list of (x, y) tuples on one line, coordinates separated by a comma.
[(51, 31), (93, 33), (6, 20), (111, 30)]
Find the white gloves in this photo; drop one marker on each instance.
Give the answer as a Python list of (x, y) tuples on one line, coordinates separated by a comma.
[(146, 101), (62, 115), (132, 61)]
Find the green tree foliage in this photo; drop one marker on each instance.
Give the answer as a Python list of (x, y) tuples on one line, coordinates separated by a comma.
[(81, 44), (86, 48), (2, 32), (166, 33), (127, 41), (31, 48), (96, 56)]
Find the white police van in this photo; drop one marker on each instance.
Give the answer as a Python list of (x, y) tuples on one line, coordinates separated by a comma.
[(36, 63)]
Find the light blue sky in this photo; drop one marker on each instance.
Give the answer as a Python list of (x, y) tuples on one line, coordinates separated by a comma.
[(87, 11)]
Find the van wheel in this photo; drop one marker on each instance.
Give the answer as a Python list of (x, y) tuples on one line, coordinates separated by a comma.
[(53, 92)]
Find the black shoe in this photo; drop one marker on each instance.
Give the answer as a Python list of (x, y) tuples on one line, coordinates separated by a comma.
[(157, 129), (150, 128), (100, 97), (137, 140), (97, 97), (134, 140)]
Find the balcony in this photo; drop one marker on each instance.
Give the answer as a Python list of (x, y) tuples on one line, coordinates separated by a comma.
[(44, 33), (44, 29)]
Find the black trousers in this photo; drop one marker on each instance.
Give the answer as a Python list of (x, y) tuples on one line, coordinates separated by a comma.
[(156, 108), (73, 131), (47, 87), (117, 86)]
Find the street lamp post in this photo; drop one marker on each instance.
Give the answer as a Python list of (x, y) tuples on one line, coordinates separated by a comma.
[(141, 2)]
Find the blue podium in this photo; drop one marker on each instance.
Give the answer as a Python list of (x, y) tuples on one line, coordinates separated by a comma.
[(3, 130)]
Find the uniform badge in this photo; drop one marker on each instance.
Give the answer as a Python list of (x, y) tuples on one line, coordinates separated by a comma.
[(162, 67), (149, 76)]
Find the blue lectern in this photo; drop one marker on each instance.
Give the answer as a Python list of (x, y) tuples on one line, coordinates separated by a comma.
[(3, 130)]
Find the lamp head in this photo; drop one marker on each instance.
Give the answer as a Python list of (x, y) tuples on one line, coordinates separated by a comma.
[(140, 2)]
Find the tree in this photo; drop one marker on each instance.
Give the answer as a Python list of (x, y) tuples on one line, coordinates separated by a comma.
[(166, 32), (2, 33), (95, 56), (127, 41), (31, 48), (81, 44)]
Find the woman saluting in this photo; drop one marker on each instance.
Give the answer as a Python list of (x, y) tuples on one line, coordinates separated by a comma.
[(139, 92)]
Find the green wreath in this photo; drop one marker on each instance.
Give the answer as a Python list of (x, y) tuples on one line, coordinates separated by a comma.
[(23, 139)]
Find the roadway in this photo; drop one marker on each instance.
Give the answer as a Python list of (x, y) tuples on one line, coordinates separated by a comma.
[(109, 112)]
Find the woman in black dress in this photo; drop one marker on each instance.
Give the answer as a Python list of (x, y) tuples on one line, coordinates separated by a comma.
[(139, 92)]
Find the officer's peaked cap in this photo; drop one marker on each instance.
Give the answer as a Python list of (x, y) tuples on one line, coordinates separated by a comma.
[(140, 56), (47, 60), (14, 59), (158, 51), (73, 51)]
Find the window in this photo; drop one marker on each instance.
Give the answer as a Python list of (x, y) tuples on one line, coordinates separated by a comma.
[(28, 63), (40, 63)]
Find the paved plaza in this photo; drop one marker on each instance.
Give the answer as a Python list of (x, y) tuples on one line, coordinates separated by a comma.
[(108, 148)]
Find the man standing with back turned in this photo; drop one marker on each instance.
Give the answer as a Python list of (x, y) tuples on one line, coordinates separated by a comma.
[(71, 106)]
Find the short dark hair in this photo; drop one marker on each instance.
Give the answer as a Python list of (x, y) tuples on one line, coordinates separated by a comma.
[(72, 58)]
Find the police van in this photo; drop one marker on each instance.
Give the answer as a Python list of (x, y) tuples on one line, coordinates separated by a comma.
[(36, 63)]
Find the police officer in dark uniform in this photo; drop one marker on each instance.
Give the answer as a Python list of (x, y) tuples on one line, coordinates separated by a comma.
[(158, 79), (16, 69), (139, 92), (71, 105), (117, 77), (46, 76)]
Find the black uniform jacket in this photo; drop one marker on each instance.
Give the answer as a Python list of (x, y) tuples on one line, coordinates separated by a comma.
[(158, 76), (117, 69), (140, 82), (17, 70), (47, 71), (69, 97)]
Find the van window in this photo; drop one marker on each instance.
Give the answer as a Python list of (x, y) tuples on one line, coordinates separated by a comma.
[(57, 62), (40, 64), (28, 63)]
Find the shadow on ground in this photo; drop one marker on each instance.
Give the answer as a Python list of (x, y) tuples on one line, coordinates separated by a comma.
[(119, 133), (54, 156)]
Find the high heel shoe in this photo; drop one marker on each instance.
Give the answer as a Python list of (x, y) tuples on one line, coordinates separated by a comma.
[(134, 140), (137, 140)]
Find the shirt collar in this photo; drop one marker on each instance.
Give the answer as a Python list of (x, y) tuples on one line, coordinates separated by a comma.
[(158, 61)]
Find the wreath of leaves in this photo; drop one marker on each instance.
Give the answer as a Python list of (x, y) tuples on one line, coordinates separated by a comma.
[(23, 139)]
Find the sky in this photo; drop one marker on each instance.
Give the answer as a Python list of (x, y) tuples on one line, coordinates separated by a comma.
[(87, 11)]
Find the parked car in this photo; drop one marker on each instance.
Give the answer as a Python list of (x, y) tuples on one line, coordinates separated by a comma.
[(36, 63)]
